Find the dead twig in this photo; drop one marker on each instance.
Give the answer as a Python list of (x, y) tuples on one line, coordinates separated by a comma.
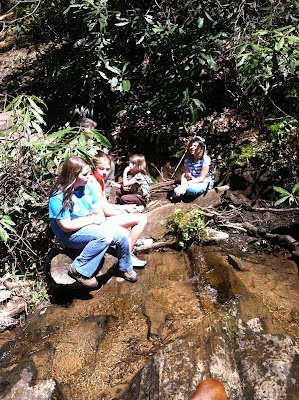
[(156, 245)]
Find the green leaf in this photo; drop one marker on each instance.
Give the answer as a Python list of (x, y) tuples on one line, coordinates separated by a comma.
[(259, 33), (122, 23), (199, 104), (103, 75), (200, 22), (140, 40), (281, 200), (126, 85), (3, 235), (26, 118), (186, 94), (295, 188), (57, 134), (292, 39), (35, 106), (105, 142), (279, 45), (113, 69), (281, 190), (36, 127), (38, 117), (114, 81)]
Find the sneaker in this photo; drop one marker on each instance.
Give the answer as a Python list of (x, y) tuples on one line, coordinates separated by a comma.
[(136, 263), (90, 282), (129, 276), (144, 242)]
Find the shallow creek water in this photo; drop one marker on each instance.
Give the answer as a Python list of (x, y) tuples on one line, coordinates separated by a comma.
[(94, 345)]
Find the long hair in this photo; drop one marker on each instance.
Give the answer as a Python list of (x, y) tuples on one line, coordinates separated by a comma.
[(65, 181), (139, 164), (200, 145)]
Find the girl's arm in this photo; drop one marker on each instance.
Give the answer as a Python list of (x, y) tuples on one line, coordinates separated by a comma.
[(127, 182), (203, 174), (70, 225)]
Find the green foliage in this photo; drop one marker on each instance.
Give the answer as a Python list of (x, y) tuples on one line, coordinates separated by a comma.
[(292, 197), (39, 293), (188, 226), (267, 60), (26, 153), (6, 226), (280, 132)]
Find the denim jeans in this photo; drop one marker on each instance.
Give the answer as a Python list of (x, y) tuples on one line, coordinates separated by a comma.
[(197, 188), (95, 240)]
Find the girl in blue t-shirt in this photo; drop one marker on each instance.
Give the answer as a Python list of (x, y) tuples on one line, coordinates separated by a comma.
[(78, 222), (197, 177)]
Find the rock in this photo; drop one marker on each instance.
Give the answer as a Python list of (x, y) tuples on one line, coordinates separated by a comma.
[(4, 295), (156, 319), (156, 229), (7, 323), (175, 371), (61, 262), (215, 236), (22, 386), (13, 308), (236, 262)]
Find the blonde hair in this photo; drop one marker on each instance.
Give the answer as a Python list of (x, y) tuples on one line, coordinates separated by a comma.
[(139, 164)]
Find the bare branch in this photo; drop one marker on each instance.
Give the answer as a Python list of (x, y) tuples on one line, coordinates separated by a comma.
[(21, 18)]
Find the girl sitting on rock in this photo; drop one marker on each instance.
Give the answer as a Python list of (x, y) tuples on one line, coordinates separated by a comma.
[(127, 215), (197, 177), (78, 222), (135, 190)]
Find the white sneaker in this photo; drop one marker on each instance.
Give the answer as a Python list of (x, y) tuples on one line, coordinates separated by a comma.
[(143, 242), (136, 263)]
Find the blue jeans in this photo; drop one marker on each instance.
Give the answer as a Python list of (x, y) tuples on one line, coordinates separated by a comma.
[(197, 188), (95, 240)]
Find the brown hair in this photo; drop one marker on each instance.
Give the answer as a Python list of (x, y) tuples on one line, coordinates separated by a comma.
[(65, 181), (139, 163), (200, 145), (99, 158)]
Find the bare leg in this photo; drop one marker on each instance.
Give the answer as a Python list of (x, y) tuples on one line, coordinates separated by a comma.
[(209, 389), (136, 222)]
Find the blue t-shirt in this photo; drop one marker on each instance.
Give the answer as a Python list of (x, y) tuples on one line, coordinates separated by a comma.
[(83, 200), (195, 168)]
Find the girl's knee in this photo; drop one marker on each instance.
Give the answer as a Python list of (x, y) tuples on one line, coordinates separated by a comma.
[(119, 230), (143, 218)]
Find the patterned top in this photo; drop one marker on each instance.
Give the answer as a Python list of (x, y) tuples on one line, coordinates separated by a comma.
[(195, 168), (142, 186)]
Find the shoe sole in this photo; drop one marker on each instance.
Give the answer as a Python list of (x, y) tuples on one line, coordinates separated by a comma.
[(127, 279), (139, 266)]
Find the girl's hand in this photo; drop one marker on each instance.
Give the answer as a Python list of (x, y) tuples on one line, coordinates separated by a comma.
[(97, 219), (114, 184), (97, 215), (127, 169), (181, 190)]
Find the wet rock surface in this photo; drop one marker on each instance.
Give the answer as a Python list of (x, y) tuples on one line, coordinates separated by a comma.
[(189, 317)]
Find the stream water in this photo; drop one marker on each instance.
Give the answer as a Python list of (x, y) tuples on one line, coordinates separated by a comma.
[(181, 322)]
